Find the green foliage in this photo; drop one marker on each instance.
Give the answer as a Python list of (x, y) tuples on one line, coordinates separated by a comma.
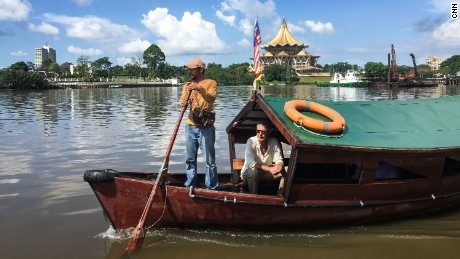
[(166, 71), (451, 65), (19, 79), (100, 67), (340, 67), (83, 68), (424, 70), (153, 56), (376, 70), (235, 74), (280, 73), (115, 71), (20, 66)]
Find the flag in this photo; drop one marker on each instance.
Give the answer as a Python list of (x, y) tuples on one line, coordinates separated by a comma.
[(257, 62)]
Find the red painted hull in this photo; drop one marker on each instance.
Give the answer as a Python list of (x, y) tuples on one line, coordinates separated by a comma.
[(124, 199)]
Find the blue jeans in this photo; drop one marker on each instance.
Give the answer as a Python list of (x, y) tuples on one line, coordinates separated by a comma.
[(203, 137)]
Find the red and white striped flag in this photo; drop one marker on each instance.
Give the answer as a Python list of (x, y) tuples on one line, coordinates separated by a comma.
[(257, 62)]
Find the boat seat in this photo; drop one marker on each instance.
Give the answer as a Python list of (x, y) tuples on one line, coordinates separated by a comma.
[(264, 187)]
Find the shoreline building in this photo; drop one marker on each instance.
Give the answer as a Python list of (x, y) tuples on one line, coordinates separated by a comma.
[(285, 49), (41, 54), (434, 62)]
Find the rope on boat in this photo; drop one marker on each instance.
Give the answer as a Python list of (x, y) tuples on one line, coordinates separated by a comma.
[(164, 209), (360, 203), (299, 125)]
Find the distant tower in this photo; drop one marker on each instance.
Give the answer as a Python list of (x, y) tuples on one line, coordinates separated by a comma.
[(287, 50), (41, 54)]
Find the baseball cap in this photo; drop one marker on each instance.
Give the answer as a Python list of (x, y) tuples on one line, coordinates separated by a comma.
[(196, 62)]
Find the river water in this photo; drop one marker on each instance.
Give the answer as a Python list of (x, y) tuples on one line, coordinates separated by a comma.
[(49, 138)]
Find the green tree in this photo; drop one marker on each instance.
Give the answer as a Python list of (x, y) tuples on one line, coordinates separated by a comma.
[(216, 72), (54, 67), (138, 61), (166, 71), (340, 67), (451, 65), (83, 68), (238, 74), (375, 70), (115, 71), (131, 70), (46, 64), (101, 67), (30, 65), (17, 76), (281, 73), (153, 56), (21, 65)]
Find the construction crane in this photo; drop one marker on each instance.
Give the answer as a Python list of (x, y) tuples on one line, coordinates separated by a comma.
[(415, 64), (393, 61)]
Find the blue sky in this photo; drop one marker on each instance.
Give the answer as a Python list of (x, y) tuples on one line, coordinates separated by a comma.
[(220, 31)]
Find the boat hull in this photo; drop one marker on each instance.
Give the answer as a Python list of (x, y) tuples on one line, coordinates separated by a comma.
[(124, 199)]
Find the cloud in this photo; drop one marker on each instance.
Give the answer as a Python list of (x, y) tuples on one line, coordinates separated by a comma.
[(44, 28), (18, 53), (441, 6), (83, 2), (447, 32), (319, 26), (134, 46), (190, 35), (250, 8), (428, 24), (229, 20), (86, 52), (294, 28), (14, 10), (7, 32), (91, 27), (244, 43), (122, 61), (247, 27)]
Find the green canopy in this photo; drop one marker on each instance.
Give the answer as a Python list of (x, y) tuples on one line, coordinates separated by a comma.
[(418, 123)]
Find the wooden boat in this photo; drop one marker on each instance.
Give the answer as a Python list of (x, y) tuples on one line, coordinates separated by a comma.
[(350, 78), (394, 159)]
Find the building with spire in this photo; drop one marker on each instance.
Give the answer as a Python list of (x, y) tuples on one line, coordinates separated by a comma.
[(41, 54), (285, 49)]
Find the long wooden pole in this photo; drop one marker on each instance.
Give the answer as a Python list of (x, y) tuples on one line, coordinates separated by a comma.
[(388, 77), (138, 235)]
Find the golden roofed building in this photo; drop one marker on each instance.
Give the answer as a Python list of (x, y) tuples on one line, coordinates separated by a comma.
[(285, 49)]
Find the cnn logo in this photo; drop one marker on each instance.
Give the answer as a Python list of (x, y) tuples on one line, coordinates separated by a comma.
[(454, 10)]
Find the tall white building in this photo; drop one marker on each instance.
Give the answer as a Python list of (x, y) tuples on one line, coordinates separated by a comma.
[(41, 54), (434, 62)]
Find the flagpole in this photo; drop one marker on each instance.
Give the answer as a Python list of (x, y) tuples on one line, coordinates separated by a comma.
[(256, 57)]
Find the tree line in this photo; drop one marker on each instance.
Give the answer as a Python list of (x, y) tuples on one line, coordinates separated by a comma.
[(151, 65)]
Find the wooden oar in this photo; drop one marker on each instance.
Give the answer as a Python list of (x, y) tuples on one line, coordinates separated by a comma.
[(138, 235)]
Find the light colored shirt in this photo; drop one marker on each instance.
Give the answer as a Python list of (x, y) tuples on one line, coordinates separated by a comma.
[(253, 154)]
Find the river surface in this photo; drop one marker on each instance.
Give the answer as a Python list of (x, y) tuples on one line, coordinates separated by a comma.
[(49, 138)]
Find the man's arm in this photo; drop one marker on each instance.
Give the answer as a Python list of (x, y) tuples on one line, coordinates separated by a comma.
[(209, 93)]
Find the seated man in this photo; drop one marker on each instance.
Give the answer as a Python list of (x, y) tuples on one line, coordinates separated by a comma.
[(263, 159)]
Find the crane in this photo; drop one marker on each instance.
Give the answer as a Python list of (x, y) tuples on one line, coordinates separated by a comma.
[(415, 64), (393, 60)]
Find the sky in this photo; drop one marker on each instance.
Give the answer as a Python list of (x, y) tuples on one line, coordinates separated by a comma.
[(221, 31)]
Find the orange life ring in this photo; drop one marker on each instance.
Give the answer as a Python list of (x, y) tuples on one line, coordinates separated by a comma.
[(293, 108)]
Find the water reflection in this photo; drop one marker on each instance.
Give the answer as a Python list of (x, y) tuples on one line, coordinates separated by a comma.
[(50, 137)]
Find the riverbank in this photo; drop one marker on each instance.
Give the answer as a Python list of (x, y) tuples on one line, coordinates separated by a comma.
[(124, 84)]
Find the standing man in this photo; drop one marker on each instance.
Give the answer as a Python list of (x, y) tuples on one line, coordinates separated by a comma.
[(200, 131), (263, 159)]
